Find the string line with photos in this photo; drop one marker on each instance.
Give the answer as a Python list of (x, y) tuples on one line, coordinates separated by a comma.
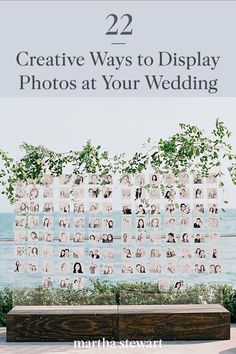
[(72, 228)]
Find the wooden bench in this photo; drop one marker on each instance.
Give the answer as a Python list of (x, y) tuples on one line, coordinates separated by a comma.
[(174, 322), (62, 323), (121, 322)]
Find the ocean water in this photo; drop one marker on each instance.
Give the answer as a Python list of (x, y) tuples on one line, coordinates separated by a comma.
[(226, 246)]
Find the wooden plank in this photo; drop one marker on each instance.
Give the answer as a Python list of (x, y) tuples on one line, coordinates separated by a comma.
[(197, 326), (174, 322), (66, 309), (191, 308), (55, 324)]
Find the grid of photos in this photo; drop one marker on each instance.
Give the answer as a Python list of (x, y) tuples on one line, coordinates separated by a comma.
[(170, 232), (140, 227)]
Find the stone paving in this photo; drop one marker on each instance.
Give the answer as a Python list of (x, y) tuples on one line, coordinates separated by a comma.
[(174, 347)]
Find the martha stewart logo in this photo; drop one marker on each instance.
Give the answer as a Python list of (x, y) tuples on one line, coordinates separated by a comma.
[(88, 344)]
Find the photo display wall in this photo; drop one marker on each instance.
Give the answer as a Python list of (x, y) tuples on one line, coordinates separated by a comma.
[(127, 228)]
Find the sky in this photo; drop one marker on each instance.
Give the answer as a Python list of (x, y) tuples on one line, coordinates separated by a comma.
[(118, 124)]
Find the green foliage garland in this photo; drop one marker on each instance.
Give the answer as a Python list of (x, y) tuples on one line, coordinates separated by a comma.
[(187, 150)]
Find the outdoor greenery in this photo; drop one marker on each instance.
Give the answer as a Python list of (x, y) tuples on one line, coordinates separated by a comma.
[(190, 149), (103, 292)]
